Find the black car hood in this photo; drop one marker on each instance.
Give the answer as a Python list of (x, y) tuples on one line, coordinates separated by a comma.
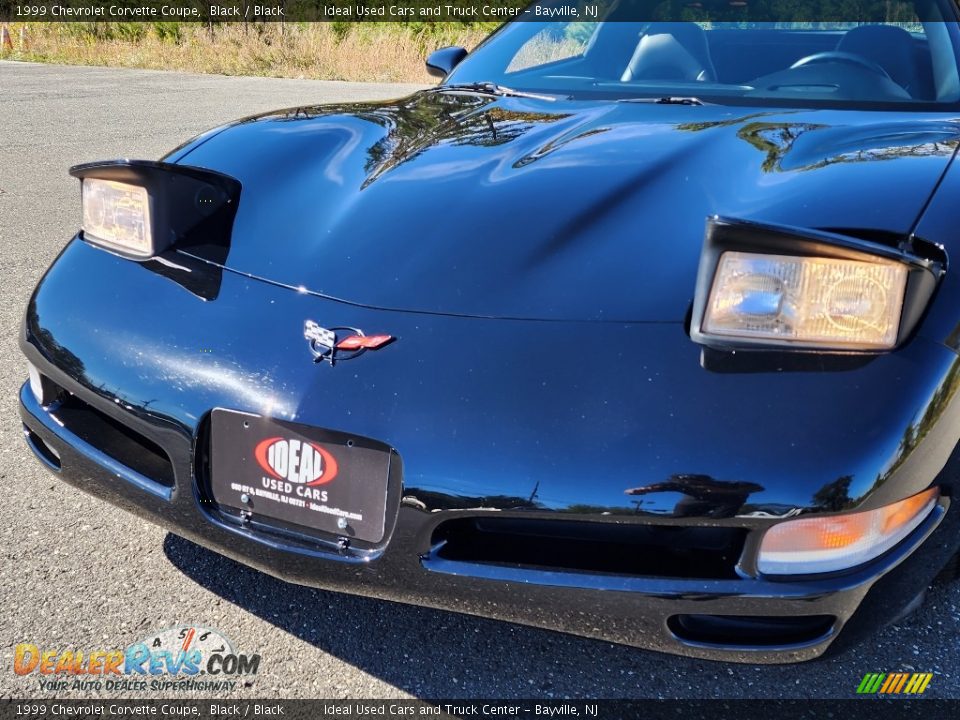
[(523, 208)]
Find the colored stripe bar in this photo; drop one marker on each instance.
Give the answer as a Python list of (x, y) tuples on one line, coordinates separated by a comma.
[(894, 683), (891, 681), (877, 680), (900, 683)]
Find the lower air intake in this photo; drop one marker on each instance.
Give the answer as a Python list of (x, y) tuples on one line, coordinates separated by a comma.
[(749, 630), (616, 548)]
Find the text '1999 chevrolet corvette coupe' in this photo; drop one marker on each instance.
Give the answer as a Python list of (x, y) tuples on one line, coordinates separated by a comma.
[(641, 328)]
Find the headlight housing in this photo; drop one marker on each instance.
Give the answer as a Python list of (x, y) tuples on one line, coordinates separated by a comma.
[(763, 286), (139, 208), (837, 542), (117, 215)]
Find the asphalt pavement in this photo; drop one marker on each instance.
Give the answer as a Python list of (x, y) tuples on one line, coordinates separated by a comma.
[(76, 573)]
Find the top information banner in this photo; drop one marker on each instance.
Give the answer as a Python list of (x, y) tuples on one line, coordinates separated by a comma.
[(463, 11)]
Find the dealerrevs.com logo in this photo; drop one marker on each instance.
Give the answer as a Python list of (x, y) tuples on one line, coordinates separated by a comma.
[(186, 657)]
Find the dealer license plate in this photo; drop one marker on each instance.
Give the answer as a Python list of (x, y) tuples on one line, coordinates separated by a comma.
[(318, 479)]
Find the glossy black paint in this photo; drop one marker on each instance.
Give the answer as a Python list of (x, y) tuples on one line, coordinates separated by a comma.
[(537, 262), (441, 63), (401, 205), (525, 406)]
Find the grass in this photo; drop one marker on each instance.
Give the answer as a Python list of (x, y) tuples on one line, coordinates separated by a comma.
[(374, 52)]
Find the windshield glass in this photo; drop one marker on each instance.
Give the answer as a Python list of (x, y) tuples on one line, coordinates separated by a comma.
[(896, 54)]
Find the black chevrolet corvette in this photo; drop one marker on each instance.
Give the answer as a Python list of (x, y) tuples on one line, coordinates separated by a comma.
[(636, 329)]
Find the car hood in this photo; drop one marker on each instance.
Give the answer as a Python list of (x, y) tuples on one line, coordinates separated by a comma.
[(521, 208)]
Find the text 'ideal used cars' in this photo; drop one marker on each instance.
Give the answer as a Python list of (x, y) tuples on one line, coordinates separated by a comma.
[(640, 329)]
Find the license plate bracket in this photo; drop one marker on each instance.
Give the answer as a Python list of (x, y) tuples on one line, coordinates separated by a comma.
[(321, 480)]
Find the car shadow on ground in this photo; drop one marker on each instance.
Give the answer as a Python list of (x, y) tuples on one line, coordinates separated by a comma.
[(438, 654)]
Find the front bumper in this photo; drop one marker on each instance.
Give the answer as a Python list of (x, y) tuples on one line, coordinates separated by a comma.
[(494, 420), (636, 611)]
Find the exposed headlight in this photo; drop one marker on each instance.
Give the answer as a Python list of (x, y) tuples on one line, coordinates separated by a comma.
[(117, 214), (785, 288), (807, 300), (141, 208), (837, 542)]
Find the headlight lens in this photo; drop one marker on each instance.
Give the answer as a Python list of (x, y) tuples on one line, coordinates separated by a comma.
[(117, 214), (838, 542), (806, 301)]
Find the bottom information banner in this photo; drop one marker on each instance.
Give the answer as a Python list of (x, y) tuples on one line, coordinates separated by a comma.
[(874, 709)]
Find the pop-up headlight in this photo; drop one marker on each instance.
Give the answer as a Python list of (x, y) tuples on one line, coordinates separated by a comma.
[(809, 300), (140, 208), (764, 286), (117, 215)]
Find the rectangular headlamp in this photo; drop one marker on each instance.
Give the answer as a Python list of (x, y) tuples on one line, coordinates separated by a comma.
[(762, 286), (117, 215), (810, 300), (140, 208)]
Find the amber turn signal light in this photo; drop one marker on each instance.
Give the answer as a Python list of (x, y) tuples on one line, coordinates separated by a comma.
[(836, 542)]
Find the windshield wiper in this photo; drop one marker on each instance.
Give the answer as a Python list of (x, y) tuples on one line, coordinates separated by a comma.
[(490, 88), (667, 100)]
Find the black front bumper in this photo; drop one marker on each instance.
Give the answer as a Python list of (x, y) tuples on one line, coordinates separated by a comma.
[(743, 619), (509, 423)]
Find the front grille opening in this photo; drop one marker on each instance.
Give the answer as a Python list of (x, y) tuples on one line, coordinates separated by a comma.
[(750, 630), (592, 547), (42, 450), (115, 439)]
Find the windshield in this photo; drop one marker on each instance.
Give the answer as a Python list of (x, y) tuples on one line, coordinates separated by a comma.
[(897, 53)]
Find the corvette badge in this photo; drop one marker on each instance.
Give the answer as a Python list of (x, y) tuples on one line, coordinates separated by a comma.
[(327, 344)]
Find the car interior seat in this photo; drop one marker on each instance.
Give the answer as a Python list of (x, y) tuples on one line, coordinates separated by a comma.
[(671, 51), (890, 47)]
